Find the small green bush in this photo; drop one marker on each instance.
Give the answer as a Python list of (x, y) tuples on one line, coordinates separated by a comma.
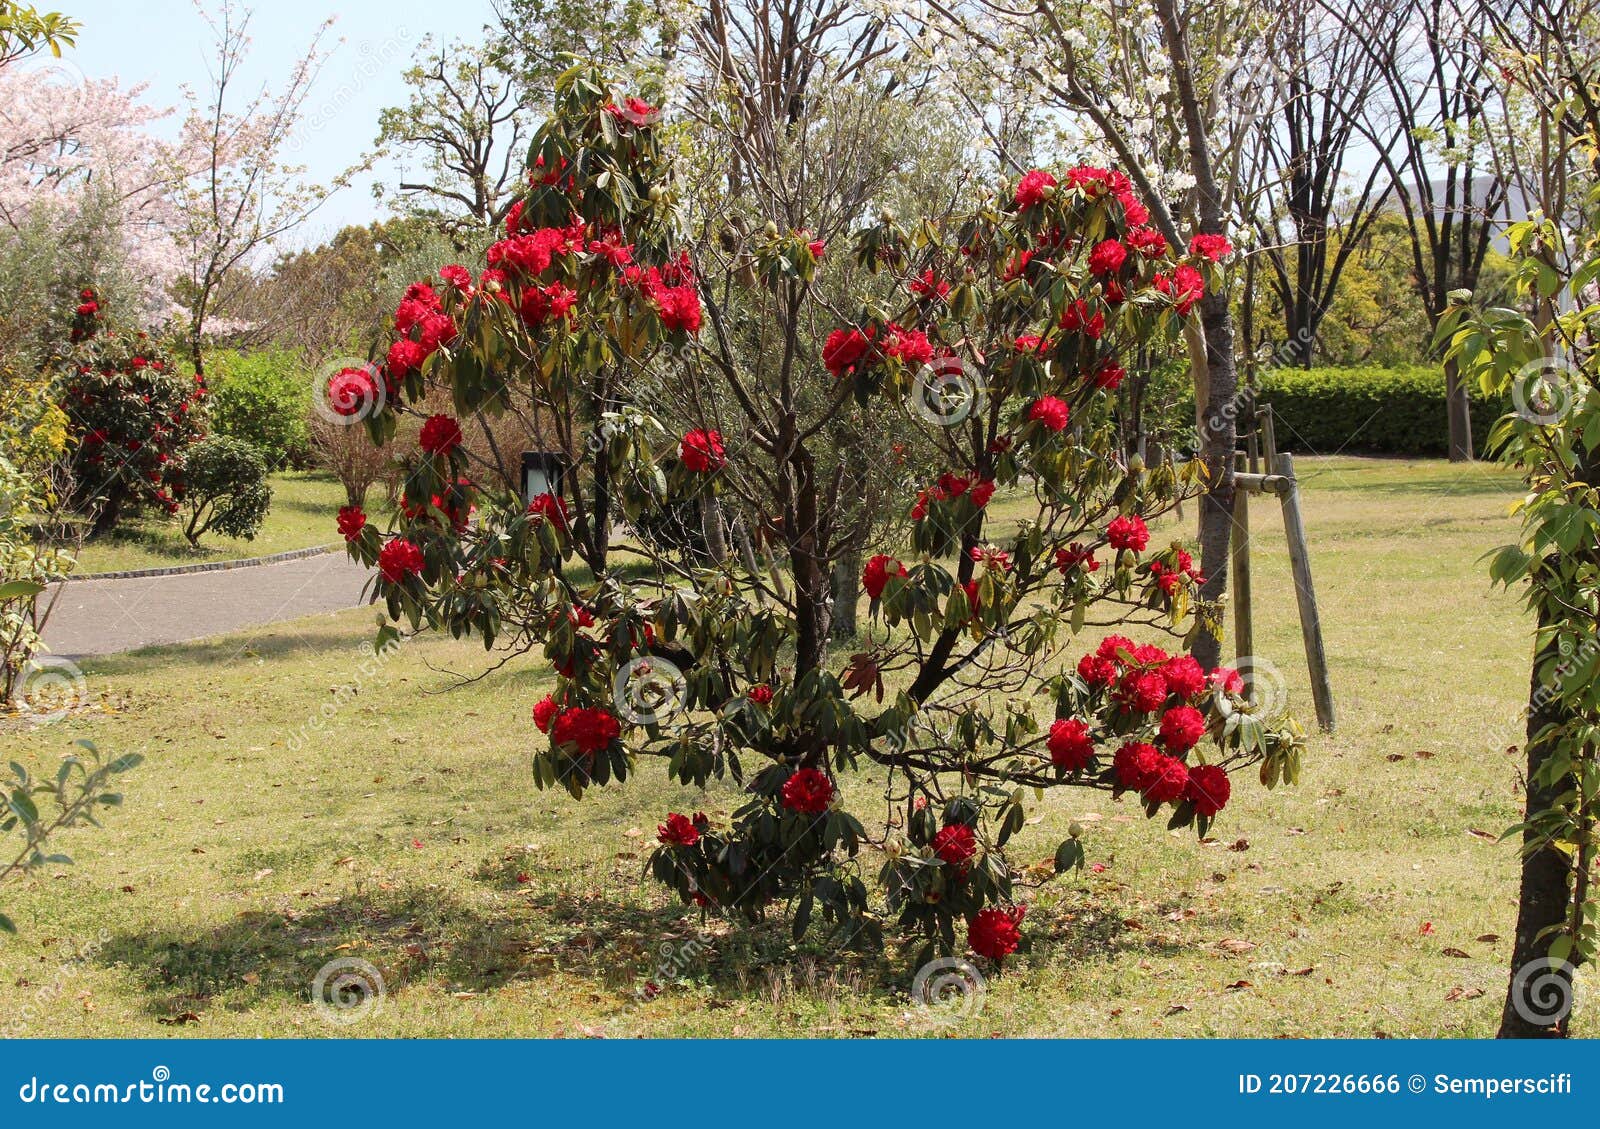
[(227, 489), (263, 399)]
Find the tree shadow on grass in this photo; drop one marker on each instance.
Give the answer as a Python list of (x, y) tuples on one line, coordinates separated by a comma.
[(627, 951), (301, 639)]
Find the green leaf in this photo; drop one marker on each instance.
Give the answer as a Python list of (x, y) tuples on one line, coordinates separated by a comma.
[(17, 589)]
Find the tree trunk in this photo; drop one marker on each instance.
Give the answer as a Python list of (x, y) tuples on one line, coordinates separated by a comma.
[(1459, 409), (1538, 997), (846, 595), (109, 513), (715, 533), (1219, 436)]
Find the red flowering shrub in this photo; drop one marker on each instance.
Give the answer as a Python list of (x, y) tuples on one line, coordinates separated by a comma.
[(1035, 301), (133, 418)]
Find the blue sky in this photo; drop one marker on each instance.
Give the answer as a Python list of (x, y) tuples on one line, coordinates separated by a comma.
[(166, 44)]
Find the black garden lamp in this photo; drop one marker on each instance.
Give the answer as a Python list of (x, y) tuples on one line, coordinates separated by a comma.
[(542, 472)]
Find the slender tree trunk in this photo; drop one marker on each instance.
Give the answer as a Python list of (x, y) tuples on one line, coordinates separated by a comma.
[(1545, 895), (846, 595), (1459, 408), (1219, 436), (711, 522)]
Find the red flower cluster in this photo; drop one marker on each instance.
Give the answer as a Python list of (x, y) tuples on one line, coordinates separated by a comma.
[(1184, 286), (544, 712), (679, 830), (423, 327), (1077, 318), (908, 346), (1031, 188), (586, 729), (440, 435), (875, 577), (994, 932), (351, 522), (550, 507), (930, 286), (1076, 556), (808, 791), (949, 486), (1181, 729), (956, 845), (845, 350), (702, 451), (1148, 242), (1210, 247), (1050, 411), (1128, 532), (399, 559), (352, 391), (1097, 182), (1108, 375), (760, 694), (1070, 743), (1107, 258)]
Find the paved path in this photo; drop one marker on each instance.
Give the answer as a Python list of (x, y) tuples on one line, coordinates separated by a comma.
[(102, 617)]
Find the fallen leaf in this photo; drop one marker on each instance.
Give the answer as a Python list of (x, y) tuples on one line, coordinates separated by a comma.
[(1238, 984), (251, 978), (1486, 836), (1306, 971), (1424, 754), (1239, 845), (260, 874), (1236, 945), (1427, 929), (1457, 953), (1393, 757), (181, 1017), (1460, 993), (1177, 1008), (1488, 938)]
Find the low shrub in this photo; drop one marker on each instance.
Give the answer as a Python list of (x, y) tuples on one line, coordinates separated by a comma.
[(262, 398)]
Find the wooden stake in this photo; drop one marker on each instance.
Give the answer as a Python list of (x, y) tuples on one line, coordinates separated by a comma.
[(1294, 528), (1243, 630)]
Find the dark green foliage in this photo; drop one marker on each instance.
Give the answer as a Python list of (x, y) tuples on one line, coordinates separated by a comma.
[(227, 489)]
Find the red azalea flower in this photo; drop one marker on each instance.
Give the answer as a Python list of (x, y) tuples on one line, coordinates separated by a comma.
[(1050, 411), (678, 307), (807, 791), (1209, 789), (1076, 318), (909, 346), (956, 845), (1184, 286), (1142, 690), (1181, 729), (930, 286), (550, 507), (1074, 556), (1168, 780), (544, 712), (351, 522), (1128, 532), (993, 932), (1031, 188), (589, 730), (1148, 242), (1097, 671), (399, 559), (352, 391), (1107, 257), (761, 694), (875, 577), (1028, 343), (701, 451), (981, 492), (845, 349), (457, 276), (1226, 678), (1184, 676), (440, 435), (678, 831), (405, 357), (1070, 744), (1211, 247), (1109, 375), (1135, 765)]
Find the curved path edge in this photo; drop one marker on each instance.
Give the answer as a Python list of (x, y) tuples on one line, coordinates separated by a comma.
[(209, 566)]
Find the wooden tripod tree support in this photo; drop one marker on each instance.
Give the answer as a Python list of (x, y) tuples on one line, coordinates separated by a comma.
[(1278, 478)]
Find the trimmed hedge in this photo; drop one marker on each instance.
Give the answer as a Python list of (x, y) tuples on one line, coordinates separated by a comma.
[(1384, 411)]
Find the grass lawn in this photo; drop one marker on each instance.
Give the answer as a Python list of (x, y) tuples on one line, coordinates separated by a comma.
[(252, 850), (304, 504)]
